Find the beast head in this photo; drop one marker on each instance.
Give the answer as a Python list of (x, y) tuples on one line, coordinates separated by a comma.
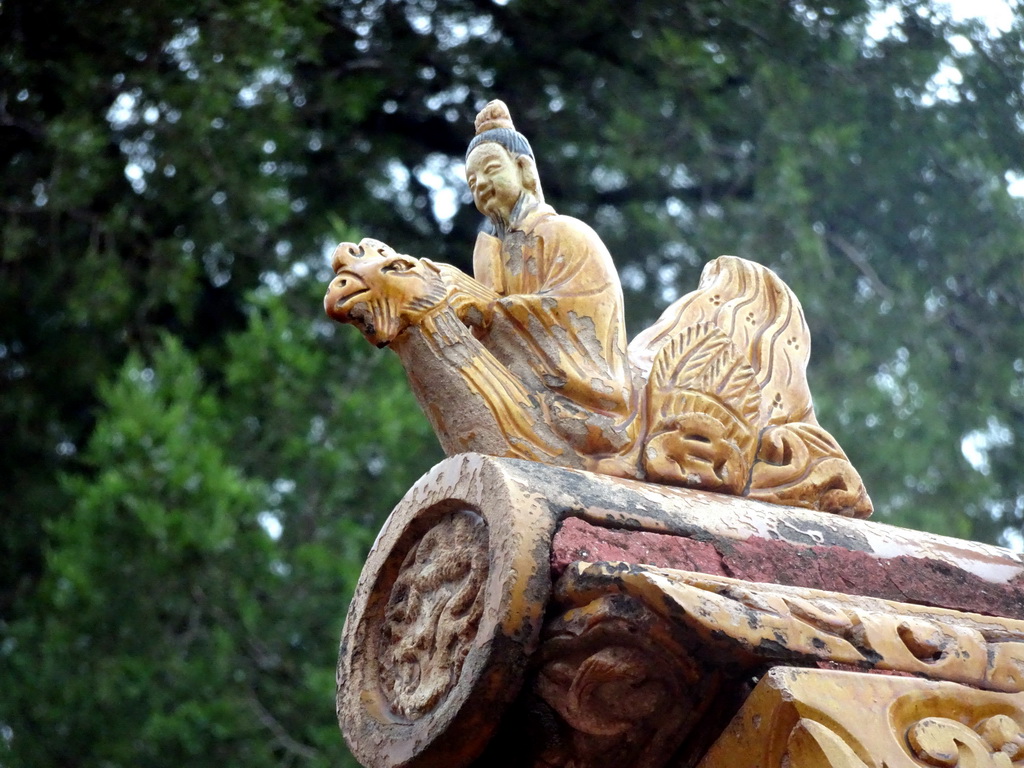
[(381, 292)]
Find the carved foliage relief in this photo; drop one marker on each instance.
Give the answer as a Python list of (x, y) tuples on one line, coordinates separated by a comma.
[(432, 614), (817, 719), (644, 663), (754, 623)]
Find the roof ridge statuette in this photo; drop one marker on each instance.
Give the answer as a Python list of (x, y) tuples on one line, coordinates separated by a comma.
[(528, 358)]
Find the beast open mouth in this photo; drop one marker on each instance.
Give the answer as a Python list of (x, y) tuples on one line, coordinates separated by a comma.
[(343, 305)]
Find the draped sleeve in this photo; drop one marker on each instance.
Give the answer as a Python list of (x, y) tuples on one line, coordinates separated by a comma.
[(562, 292)]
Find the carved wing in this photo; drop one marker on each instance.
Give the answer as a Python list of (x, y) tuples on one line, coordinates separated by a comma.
[(763, 319), (703, 359), (702, 412)]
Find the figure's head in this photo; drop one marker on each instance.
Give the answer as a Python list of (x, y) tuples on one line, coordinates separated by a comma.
[(380, 291), (500, 167)]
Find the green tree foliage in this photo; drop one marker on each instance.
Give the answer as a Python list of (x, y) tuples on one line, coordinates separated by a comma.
[(195, 588), (194, 461)]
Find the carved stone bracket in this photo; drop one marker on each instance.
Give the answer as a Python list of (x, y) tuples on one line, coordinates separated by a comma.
[(625, 687), (458, 621), (800, 718), (741, 622), (642, 663)]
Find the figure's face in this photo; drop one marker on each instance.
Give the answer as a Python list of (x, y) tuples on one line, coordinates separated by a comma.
[(495, 179)]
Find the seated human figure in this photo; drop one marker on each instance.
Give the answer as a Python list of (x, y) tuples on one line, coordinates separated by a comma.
[(559, 321)]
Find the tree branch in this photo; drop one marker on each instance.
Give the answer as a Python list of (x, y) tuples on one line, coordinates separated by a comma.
[(272, 724), (860, 261)]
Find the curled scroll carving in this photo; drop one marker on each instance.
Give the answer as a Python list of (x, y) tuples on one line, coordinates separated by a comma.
[(703, 412), (528, 358), (432, 614), (626, 691), (752, 623), (814, 745), (956, 731), (1003, 734), (815, 718), (996, 742)]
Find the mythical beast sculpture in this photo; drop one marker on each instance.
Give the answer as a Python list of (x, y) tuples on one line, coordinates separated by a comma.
[(529, 359)]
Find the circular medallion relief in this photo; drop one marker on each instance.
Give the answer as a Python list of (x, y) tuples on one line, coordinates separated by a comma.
[(432, 614)]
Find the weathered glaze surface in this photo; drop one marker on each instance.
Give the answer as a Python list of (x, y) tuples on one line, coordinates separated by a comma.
[(490, 628), (801, 718), (464, 557), (750, 623)]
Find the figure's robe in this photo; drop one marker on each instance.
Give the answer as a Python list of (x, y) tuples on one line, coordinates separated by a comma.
[(562, 303)]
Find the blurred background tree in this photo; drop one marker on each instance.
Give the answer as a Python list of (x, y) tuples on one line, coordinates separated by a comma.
[(194, 461)]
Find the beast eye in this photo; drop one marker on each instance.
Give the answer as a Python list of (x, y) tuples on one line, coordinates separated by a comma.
[(397, 265)]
